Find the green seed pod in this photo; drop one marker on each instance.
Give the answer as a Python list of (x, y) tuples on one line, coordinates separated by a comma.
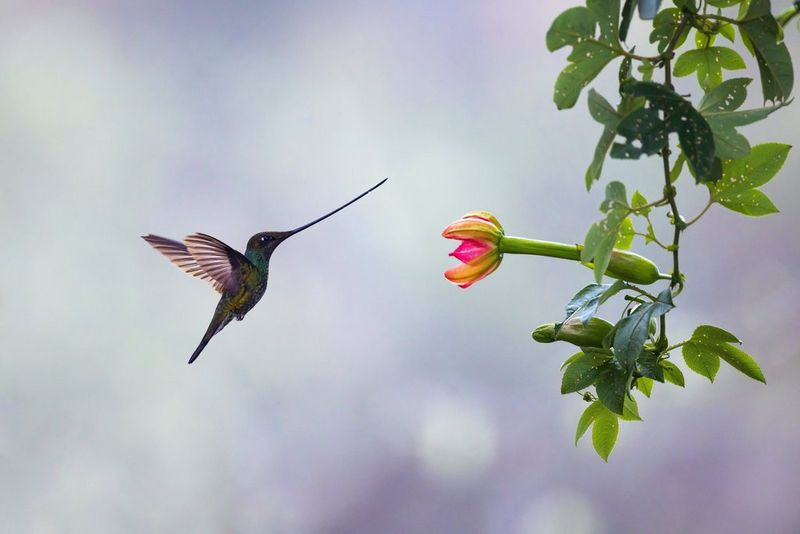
[(573, 331), (632, 268)]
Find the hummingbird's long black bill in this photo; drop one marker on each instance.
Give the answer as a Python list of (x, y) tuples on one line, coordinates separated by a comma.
[(340, 208)]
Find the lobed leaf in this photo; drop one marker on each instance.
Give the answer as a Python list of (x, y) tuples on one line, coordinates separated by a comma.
[(736, 190), (708, 63), (577, 27), (647, 126), (727, 96), (709, 344), (665, 24)]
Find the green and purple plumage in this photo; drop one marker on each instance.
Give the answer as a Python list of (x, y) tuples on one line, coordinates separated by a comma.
[(240, 278)]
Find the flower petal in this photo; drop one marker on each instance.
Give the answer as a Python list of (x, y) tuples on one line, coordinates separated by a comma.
[(486, 216), (473, 250), (472, 228), (466, 274)]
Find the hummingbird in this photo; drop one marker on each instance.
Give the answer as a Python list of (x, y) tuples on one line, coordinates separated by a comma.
[(240, 278)]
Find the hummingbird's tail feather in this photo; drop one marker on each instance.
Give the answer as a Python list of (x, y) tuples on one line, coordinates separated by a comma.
[(218, 322)]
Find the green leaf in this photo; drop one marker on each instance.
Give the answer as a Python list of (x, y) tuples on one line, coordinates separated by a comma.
[(703, 40), (577, 27), (612, 385), (728, 32), (761, 31), (587, 418), (646, 68), (727, 96), (713, 334), (752, 203), (736, 190), (701, 362), (630, 410), (647, 365), (637, 201), (672, 373), (570, 28), (632, 330), (602, 235), (709, 343), (601, 110), (708, 63), (627, 14), (587, 300), (647, 126), (582, 372), (645, 385), (729, 143), (571, 359), (677, 168), (605, 430), (626, 234), (723, 3), (741, 361), (604, 113), (587, 60), (596, 166), (664, 26), (615, 197)]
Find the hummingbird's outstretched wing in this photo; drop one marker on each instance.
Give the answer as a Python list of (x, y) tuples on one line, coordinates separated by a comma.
[(217, 259), (179, 254)]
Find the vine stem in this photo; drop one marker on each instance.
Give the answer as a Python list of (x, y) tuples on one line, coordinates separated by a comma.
[(697, 218), (669, 189)]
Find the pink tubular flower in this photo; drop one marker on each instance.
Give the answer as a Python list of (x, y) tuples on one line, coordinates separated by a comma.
[(480, 234)]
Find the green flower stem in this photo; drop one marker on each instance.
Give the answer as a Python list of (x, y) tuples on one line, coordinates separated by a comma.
[(522, 245), (623, 264)]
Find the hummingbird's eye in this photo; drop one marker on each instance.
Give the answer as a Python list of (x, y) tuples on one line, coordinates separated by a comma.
[(263, 238)]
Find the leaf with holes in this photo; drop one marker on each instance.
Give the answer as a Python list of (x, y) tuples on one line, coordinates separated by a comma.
[(646, 126), (665, 24), (736, 190), (708, 63), (591, 52), (710, 344), (761, 32)]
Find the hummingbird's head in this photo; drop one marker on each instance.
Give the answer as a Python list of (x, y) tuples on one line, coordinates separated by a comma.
[(267, 241)]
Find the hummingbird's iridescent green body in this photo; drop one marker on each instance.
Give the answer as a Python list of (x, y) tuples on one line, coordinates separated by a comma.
[(240, 278)]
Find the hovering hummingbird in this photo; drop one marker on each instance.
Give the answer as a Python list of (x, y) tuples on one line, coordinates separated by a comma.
[(241, 278)]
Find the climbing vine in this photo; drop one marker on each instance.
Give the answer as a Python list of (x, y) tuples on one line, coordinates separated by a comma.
[(702, 151)]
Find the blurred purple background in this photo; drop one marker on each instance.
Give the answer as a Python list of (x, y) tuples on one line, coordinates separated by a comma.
[(365, 393)]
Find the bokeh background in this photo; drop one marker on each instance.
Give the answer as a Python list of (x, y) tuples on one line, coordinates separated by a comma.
[(364, 394)]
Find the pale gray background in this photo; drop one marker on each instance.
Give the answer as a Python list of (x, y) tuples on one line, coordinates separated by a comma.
[(365, 393)]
